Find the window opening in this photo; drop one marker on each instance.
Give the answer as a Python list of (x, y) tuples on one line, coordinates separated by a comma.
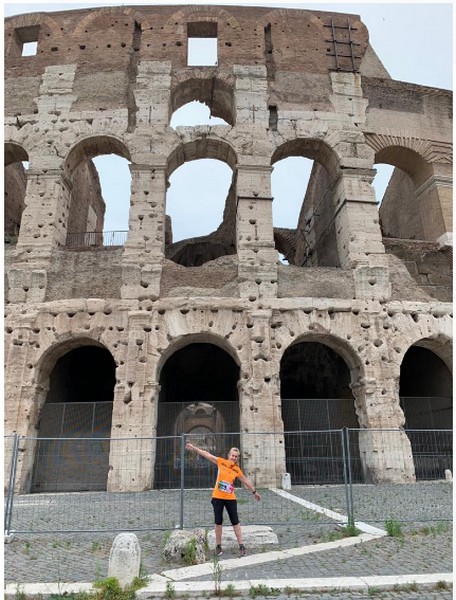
[(289, 181), (29, 49), (382, 180), (27, 38), (202, 44), (115, 182), (194, 113), (196, 197)]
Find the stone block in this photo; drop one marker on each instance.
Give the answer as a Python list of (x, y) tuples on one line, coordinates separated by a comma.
[(125, 558), (254, 536), (185, 545)]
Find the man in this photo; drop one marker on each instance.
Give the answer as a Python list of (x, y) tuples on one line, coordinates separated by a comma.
[(223, 495)]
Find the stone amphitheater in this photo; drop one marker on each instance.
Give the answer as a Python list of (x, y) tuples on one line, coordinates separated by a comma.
[(217, 334)]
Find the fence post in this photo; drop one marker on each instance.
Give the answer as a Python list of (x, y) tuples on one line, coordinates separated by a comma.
[(11, 484), (182, 481), (348, 475)]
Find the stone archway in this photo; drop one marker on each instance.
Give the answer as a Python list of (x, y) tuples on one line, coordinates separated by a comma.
[(316, 400), (199, 398), (314, 240), (15, 183), (71, 451), (426, 399)]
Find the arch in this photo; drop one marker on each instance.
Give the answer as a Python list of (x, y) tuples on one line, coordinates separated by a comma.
[(76, 410), (51, 355), (187, 12), (40, 23), (427, 402), (92, 146), (411, 155), (440, 344), (14, 152), (204, 147), (96, 13), (195, 338), (316, 238), (336, 343), (199, 396), (313, 148), (213, 91), (15, 183), (317, 402)]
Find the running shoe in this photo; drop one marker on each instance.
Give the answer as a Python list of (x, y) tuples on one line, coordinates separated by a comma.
[(218, 550), (242, 551)]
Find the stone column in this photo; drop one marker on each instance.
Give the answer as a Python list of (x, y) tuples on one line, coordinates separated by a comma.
[(359, 238), (263, 453), (134, 415), (435, 200), (43, 228), (254, 233), (144, 249), (385, 450)]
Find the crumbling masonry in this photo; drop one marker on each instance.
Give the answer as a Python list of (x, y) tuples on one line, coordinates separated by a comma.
[(362, 289)]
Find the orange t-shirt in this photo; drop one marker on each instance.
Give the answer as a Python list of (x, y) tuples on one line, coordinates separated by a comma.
[(227, 473)]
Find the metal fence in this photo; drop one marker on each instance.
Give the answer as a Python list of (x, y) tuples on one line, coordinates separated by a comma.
[(96, 238), (338, 470)]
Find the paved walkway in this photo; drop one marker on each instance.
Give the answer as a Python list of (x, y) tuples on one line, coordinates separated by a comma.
[(310, 561)]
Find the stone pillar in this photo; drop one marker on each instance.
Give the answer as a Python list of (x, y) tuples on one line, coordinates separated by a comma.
[(435, 200), (134, 415), (144, 249), (385, 450), (359, 238), (254, 233), (45, 216), (43, 228), (263, 453)]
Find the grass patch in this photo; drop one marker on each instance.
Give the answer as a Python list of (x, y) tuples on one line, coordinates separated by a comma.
[(394, 528)]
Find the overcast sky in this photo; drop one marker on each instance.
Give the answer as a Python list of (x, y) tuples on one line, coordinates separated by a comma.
[(414, 43)]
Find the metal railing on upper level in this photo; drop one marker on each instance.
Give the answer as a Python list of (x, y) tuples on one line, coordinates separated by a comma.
[(99, 239)]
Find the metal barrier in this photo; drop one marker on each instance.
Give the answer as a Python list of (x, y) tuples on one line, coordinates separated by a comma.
[(349, 471), (86, 239)]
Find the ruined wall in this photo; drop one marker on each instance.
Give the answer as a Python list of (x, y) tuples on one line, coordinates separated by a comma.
[(107, 80), (87, 207), (15, 182), (399, 212)]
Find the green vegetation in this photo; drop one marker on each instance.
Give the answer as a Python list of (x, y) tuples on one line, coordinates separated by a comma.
[(394, 528), (263, 590), (189, 556), (105, 589), (217, 573), (170, 592)]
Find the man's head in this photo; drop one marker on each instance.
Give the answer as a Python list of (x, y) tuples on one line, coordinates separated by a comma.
[(233, 455)]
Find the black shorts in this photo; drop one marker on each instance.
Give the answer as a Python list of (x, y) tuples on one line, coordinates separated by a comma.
[(231, 508)]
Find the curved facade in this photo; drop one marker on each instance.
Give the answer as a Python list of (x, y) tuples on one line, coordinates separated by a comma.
[(364, 284)]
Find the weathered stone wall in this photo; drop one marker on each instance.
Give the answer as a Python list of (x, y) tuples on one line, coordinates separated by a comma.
[(106, 80), (15, 182)]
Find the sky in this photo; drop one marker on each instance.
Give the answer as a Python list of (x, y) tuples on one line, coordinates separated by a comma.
[(414, 43)]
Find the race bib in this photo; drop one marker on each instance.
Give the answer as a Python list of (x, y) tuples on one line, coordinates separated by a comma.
[(226, 487)]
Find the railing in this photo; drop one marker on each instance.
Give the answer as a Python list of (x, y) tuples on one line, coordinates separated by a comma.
[(331, 470), (96, 239)]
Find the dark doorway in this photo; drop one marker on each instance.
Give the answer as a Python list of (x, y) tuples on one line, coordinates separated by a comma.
[(316, 400), (78, 411), (198, 397), (426, 399)]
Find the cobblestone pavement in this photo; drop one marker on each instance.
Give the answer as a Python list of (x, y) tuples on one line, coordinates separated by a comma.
[(426, 547)]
